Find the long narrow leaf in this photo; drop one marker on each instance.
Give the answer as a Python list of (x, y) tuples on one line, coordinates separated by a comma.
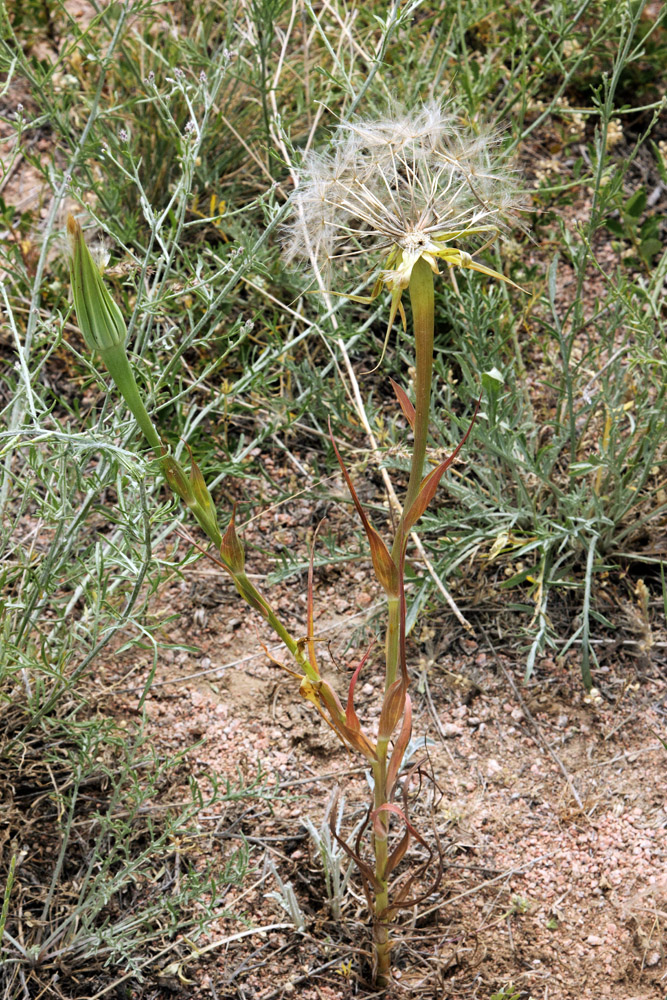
[(430, 484), (392, 708), (400, 747), (405, 404), (351, 717), (385, 568)]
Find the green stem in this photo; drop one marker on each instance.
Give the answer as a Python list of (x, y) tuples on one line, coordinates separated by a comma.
[(252, 596), (423, 317), (118, 365), (115, 358), (380, 848), (392, 639), (421, 297)]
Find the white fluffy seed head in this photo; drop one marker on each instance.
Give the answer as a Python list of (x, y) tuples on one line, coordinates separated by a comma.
[(396, 180)]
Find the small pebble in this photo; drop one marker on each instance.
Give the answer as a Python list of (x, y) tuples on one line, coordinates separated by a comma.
[(450, 729)]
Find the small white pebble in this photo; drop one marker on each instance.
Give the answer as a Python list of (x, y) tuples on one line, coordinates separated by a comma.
[(450, 729)]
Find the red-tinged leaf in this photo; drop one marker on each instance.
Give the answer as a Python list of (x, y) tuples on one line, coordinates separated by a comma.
[(392, 708), (430, 484), (351, 718), (361, 743), (324, 698), (385, 568), (326, 694), (312, 693), (326, 701), (391, 807), (405, 404), (367, 872), (231, 549), (400, 747), (398, 853)]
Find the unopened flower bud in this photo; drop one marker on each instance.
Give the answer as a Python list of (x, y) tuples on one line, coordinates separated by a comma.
[(100, 320), (103, 327)]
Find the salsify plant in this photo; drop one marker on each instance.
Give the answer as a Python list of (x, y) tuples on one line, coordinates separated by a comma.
[(413, 190)]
